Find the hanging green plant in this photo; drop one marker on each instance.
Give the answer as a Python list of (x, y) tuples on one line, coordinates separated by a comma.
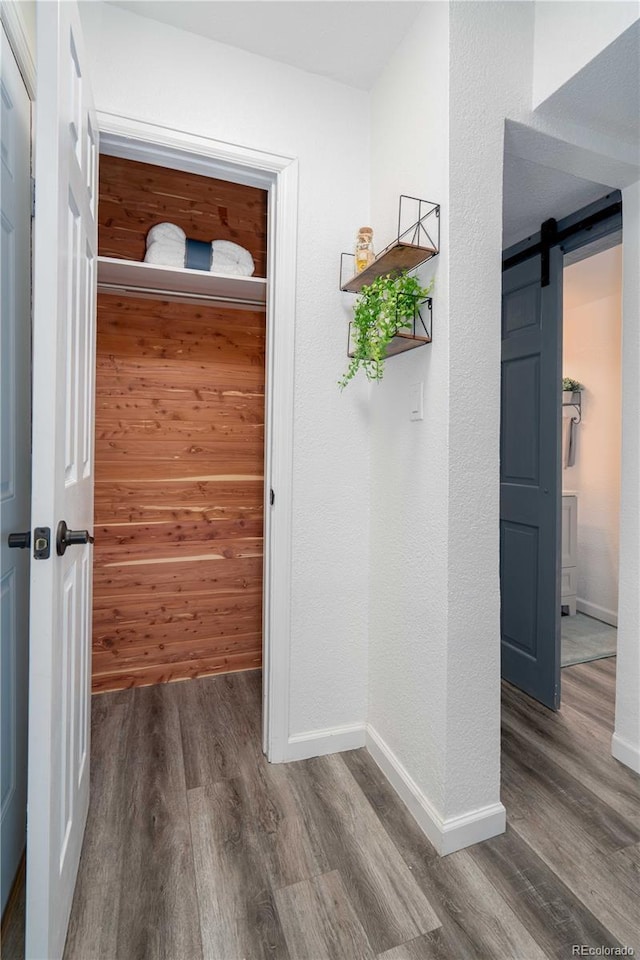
[(383, 308), (571, 385)]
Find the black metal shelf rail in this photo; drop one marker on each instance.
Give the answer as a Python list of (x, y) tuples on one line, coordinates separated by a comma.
[(421, 231), (417, 230), (419, 328)]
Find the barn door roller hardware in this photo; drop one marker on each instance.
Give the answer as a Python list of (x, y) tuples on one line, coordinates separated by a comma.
[(555, 236), (548, 239)]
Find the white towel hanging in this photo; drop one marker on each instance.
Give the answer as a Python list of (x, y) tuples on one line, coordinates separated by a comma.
[(569, 438)]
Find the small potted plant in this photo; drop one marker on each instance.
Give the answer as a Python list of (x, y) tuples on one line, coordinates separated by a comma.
[(569, 387), (384, 307)]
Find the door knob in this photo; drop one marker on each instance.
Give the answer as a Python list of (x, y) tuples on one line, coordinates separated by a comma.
[(69, 538), (22, 541)]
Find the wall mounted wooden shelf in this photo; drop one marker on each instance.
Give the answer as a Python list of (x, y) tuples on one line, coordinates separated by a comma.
[(130, 277), (413, 245), (400, 343), (395, 258), (407, 339)]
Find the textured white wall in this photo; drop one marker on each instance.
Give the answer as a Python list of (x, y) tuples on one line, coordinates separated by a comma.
[(626, 741), (568, 34), (434, 693), (591, 354), (409, 468), (491, 69), (152, 72)]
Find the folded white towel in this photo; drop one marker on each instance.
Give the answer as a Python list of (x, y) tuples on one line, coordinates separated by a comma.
[(231, 258), (166, 246)]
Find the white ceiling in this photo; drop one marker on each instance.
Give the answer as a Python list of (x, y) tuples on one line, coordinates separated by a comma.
[(605, 94), (533, 193), (345, 40)]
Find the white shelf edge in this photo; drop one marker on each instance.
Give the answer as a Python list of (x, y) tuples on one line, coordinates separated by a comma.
[(148, 279)]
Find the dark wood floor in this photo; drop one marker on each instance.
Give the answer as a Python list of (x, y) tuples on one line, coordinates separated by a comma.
[(197, 849), (12, 932)]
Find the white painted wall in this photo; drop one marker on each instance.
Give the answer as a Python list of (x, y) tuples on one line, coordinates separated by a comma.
[(592, 355), (409, 468), (626, 739), (491, 69), (156, 73), (434, 697), (568, 34)]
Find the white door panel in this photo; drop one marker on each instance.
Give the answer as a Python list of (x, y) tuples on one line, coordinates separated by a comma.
[(15, 477), (63, 358)]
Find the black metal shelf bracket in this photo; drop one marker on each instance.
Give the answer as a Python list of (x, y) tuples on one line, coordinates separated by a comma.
[(427, 328), (422, 228), (418, 225)]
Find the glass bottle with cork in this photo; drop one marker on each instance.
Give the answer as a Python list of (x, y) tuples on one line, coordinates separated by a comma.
[(364, 248)]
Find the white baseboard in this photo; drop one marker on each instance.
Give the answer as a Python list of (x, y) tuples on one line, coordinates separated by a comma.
[(625, 752), (597, 612), (447, 836), (318, 743)]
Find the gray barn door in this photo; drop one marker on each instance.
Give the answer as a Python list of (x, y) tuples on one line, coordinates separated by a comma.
[(530, 495)]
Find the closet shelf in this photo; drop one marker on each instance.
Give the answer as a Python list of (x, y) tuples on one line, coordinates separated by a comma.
[(132, 278)]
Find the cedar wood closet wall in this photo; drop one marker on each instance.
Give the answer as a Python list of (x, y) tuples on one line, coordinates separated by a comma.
[(179, 445)]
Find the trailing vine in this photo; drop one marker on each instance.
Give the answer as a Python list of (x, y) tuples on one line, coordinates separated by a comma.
[(383, 308)]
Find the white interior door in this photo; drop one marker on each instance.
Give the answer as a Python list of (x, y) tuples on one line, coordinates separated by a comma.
[(15, 432), (65, 240)]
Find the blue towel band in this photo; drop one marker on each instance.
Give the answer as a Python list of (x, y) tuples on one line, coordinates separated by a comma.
[(197, 255)]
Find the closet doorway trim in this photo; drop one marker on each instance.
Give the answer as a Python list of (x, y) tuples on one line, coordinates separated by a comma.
[(278, 174)]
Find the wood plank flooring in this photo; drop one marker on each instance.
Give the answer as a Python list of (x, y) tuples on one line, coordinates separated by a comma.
[(198, 849)]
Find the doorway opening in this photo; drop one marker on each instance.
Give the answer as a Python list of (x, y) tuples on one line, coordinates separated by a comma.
[(591, 451), (556, 755), (538, 569), (277, 174), (179, 426)]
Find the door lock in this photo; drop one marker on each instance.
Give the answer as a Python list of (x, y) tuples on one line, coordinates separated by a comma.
[(42, 543), (69, 538), (20, 541)]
